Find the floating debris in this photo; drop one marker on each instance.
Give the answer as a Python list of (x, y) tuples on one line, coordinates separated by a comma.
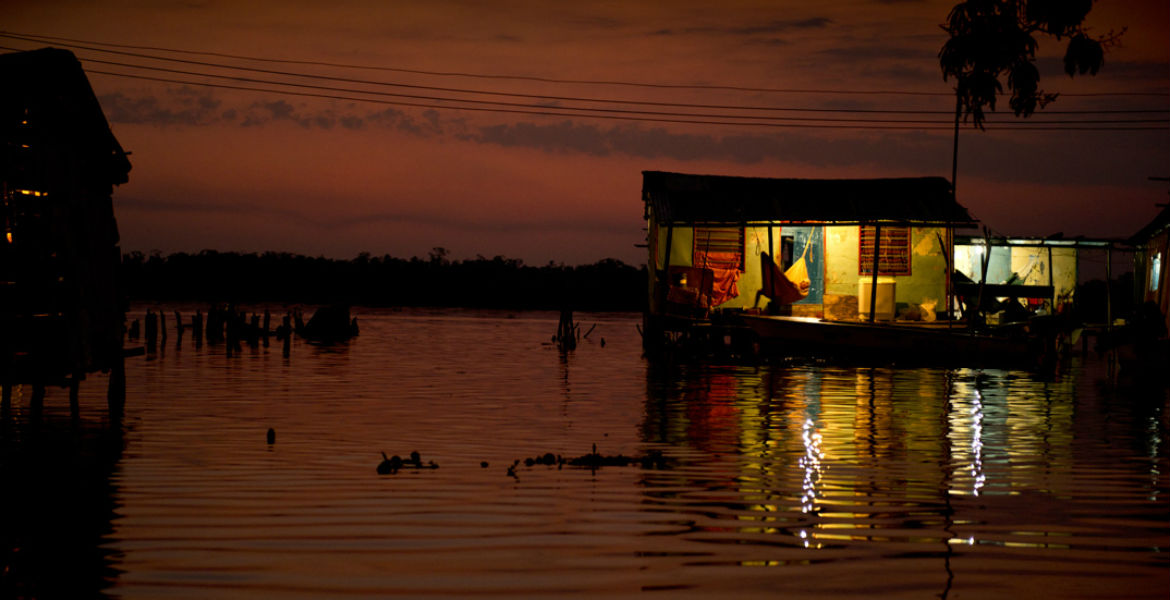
[(483, 464), (271, 436), (653, 459), (391, 465)]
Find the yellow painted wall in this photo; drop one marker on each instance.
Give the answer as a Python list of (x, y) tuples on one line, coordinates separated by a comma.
[(755, 240), (926, 283), (681, 252)]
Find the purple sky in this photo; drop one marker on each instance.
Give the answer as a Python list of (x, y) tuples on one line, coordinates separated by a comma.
[(236, 170)]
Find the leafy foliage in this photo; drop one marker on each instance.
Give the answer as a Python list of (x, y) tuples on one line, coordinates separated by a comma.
[(994, 41), (498, 282)]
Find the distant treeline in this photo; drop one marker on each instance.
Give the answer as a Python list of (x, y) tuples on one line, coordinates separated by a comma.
[(499, 282)]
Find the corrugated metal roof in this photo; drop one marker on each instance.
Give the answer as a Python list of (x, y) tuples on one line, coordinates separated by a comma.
[(684, 198)]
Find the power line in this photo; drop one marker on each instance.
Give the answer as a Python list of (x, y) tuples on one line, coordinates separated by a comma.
[(477, 75), (413, 86), (590, 109), (496, 93), (607, 101), (607, 116), (593, 112), (535, 78)]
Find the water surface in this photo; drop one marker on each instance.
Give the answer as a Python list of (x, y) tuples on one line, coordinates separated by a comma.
[(810, 481)]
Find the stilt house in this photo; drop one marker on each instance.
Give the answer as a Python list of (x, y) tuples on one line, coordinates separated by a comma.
[(712, 242), (61, 310)]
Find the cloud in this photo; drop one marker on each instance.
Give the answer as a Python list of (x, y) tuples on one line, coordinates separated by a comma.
[(774, 27), (567, 137), (181, 106), (188, 107)]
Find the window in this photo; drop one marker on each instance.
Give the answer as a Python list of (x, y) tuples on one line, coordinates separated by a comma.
[(719, 247), (787, 245), (1155, 271), (894, 248)]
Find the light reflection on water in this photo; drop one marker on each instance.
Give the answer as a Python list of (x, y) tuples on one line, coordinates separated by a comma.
[(816, 481)]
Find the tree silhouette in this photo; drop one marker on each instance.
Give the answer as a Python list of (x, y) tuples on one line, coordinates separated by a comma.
[(995, 40)]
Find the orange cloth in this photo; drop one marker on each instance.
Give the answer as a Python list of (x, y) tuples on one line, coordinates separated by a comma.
[(724, 267)]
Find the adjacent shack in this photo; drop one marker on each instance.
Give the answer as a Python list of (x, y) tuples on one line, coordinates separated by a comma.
[(1152, 265), (1021, 275), (61, 310)]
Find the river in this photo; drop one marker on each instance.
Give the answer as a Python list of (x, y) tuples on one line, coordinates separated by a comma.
[(762, 481)]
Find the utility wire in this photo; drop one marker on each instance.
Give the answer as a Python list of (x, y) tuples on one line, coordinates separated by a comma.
[(613, 113), (469, 91), (658, 104), (605, 116), (588, 109), (42, 38)]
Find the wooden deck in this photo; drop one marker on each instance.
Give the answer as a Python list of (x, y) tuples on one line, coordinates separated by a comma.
[(903, 342)]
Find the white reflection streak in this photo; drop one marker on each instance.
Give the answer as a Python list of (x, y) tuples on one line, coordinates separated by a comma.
[(811, 462), (1155, 445), (977, 444)]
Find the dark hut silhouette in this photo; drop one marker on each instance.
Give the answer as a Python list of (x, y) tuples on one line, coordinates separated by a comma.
[(61, 310), (329, 324)]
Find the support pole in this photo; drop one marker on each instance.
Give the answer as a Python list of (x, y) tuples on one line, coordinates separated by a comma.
[(877, 246), (1052, 305), (955, 150), (986, 261), (75, 396), (36, 403), (664, 280), (116, 389), (1108, 289), (1111, 357)]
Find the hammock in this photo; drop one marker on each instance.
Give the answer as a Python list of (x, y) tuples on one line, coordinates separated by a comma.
[(785, 287)]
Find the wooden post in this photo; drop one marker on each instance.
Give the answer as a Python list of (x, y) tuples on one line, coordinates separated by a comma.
[(1051, 276), (955, 150), (986, 261), (116, 391), (1111, 356), (1108, 288), (36, 403), (286, 326), (151, 331), (566, 331), (877, 246), (947, 253), (664, 281), (74, 396)]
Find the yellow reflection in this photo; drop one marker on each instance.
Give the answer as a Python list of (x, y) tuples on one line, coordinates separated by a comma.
[(9, 236), (34, 193)]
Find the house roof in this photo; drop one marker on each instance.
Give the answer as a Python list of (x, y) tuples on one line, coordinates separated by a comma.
[(49, 90), (1153, 228), (682, 198)]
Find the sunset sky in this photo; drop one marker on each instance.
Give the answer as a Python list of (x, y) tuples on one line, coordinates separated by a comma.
[(390, 163)]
